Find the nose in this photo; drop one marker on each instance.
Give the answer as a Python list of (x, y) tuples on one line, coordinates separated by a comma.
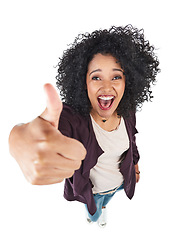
[(107, 86)]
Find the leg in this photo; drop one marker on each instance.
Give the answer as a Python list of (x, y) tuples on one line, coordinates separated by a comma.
[(108, 197), (102, 221), (99, 203)]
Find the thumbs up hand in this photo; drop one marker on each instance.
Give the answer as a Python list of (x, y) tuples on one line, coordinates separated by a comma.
[(43, 153)]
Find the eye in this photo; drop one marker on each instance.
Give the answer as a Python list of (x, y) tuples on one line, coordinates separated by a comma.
[(117, 77), (95, 78)]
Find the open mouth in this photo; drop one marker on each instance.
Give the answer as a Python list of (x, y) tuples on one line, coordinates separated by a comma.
[(105, 101)]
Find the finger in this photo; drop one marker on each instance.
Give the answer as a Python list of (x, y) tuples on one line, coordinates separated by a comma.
[(53, 173), (45, 172), (54, 106), (46, 181), (69, 148), (48, 160)]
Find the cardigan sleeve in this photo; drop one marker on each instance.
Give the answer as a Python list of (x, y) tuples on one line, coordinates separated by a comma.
[(136, 155)]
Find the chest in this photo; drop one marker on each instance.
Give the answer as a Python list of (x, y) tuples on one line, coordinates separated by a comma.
[(112, 143)]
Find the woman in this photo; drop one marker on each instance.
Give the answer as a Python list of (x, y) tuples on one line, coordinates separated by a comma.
[(104, 77)]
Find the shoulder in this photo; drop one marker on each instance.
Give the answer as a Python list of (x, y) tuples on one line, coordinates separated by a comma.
[(131, 122), (67, 111), (69, 114), (131, 118), (71, 121)]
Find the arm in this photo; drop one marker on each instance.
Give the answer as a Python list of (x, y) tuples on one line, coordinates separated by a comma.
[(136, 155)]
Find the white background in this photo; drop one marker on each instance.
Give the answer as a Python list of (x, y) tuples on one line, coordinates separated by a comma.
[(33, 35)]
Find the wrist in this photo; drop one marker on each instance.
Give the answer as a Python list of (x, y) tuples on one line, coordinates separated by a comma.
[(137, 169)]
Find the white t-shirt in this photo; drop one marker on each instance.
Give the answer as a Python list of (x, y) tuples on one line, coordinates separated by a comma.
[(105, 175)]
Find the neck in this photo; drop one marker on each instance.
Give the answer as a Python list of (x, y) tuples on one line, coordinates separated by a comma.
[(108, 124)]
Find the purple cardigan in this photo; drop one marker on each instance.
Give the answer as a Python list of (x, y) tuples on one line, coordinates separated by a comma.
[(79, 187)]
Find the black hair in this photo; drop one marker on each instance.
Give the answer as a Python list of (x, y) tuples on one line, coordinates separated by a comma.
[(135, 55)]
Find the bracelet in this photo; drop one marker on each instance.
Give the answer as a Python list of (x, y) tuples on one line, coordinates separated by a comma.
[(138, 172)]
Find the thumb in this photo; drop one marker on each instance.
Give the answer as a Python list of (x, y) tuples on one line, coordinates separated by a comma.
[(54, 105)]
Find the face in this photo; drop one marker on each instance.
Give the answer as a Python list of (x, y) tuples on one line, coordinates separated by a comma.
[(105, 85)]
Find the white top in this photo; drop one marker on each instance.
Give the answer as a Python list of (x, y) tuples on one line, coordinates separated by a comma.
[(105, 175)]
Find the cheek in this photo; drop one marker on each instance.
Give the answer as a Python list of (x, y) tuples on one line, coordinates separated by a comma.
[(120, 90), (91, 89)]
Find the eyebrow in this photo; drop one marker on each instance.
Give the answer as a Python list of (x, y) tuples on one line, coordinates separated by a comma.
[(99, 70)]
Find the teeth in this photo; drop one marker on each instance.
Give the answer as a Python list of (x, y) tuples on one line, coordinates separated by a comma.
[(106, 97)]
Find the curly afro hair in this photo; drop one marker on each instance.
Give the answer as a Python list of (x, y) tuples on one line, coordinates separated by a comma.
[(135, 55)]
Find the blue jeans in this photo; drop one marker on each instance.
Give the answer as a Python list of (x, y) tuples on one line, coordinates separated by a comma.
[(101, 201)]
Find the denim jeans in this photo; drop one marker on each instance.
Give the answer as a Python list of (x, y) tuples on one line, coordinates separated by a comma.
[(101, 201)]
